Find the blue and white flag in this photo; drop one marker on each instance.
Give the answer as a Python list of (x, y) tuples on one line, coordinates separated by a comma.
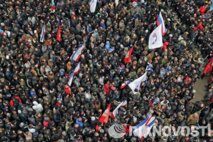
[(211, 7), (115, 111), (75, 71), (148, 68), (137, 83), (142, 129), (155, 38), (93, 4), (42, 34), (77, 54)]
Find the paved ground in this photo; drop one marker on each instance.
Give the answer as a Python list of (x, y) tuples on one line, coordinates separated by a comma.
[(200, 89)]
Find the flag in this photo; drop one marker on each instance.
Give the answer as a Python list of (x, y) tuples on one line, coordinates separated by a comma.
[(161, 22), (127, 58), (208, 68), (142, 129), (124, 84), (105, 116), (155, 38), (211, 7), (77, 54), (75, 71), (115, 111), (137, 83), (93, 4), (42, 33), (148, 68), (1, 32), (59, 31), (53, 6)]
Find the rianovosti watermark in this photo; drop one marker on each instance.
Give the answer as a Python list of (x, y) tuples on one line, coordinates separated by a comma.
[(118, 131)]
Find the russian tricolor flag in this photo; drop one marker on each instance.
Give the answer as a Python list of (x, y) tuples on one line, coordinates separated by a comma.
[(115, 111), (124, 84), (53, 6), (75, 71), (42, 33), (127, 58), (1, 32), (59, 31), (161, 22), (77, 54)]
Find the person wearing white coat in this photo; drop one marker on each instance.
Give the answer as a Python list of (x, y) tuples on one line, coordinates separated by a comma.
[(37, 107)]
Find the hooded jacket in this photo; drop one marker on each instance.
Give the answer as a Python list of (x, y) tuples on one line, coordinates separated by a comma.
[(37, 107)]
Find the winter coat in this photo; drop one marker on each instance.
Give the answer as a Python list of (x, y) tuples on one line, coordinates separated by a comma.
[(37, 107), (193, 119), (81, 124)]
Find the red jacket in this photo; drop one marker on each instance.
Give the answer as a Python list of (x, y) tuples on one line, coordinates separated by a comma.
[(202, 10), (212, 99), (67, 90), (165, 44), (199, 26), (12, 103), (107, 88)]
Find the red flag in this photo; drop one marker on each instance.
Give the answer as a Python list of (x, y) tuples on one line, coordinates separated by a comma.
[(105, 116), (59, 32), (209, 66), (127, 58)]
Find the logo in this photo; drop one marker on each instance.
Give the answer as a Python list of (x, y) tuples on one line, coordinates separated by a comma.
[(118, 131), (154, 38)]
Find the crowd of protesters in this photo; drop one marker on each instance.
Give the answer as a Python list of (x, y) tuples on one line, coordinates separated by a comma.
[(36, 104)]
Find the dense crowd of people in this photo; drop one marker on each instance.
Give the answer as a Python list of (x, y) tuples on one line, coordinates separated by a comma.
[(36, 104)]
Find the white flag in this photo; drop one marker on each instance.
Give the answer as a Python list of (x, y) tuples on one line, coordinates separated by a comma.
[(93, 4), (42, 33), (155, 38), (137, 83), (116, 2)]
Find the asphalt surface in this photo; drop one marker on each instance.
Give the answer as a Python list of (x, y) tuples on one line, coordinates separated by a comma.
[(200, 89)]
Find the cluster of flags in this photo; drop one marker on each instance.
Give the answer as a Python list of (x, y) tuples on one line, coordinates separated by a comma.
[(141, 130), (75, 56)]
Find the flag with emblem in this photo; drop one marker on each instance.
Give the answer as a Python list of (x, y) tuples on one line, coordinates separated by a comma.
[(155, 38), (105, 116)]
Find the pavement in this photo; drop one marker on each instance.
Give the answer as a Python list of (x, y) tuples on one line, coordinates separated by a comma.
[(200, 89)]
